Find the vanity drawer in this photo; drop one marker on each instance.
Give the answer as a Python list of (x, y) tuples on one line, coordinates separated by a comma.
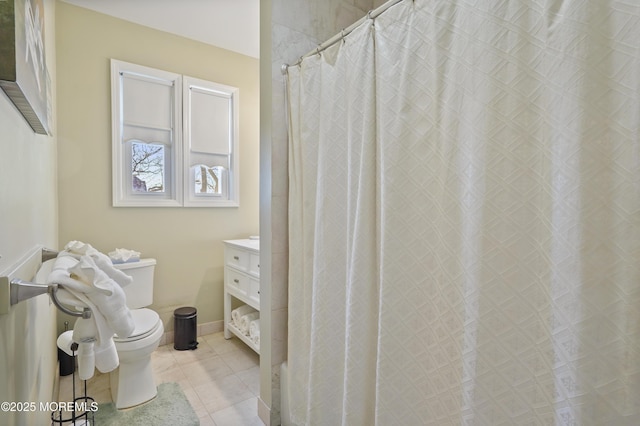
[(238, 259), (254, 264), (236, 280)]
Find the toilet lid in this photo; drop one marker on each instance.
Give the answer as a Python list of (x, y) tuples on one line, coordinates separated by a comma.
[(145, 320)]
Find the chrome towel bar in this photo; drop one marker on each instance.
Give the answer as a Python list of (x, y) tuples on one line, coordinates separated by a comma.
[(16, 290), (23, 290)]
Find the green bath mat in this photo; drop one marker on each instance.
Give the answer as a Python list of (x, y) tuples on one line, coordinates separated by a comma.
[(170, 407)]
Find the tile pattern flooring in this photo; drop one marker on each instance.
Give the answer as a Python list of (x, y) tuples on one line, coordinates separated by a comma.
[(221, 380)]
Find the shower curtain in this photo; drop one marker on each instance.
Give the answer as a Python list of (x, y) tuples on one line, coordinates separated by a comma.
[(464, 217)]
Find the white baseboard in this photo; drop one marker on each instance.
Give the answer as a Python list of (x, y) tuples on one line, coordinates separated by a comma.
[(202, 330), (264, 412)]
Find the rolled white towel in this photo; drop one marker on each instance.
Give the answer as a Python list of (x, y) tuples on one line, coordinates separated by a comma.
[(237, 313), (86, 360), (245, 320), (254, 331)]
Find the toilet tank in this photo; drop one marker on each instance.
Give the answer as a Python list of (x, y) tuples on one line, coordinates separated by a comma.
[(140, 292)]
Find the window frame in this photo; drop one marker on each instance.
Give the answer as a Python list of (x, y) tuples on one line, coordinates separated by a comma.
[(231, 189), (179, 178)]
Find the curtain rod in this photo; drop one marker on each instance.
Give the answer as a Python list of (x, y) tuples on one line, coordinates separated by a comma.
[(372, 14)]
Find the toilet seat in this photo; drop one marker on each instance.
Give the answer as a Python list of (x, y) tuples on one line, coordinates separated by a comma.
[(146, 322)]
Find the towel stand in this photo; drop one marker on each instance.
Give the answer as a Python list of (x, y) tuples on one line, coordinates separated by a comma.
[(22, 290)]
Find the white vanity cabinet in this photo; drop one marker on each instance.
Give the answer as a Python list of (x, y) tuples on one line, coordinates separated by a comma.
[(241, 281)]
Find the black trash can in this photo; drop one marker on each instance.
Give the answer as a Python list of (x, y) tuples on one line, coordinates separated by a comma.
[(185, 329)]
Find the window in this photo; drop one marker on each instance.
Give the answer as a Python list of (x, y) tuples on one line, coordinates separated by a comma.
[(210, 154), (147, 166), (175, 139)]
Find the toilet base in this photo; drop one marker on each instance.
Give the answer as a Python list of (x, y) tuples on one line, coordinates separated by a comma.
[(132, 383)]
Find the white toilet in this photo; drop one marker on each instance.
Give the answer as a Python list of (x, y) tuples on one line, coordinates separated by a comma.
[(132, 383)]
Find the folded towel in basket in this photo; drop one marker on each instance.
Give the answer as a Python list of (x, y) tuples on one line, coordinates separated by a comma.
[(121, 255), (237, 313)]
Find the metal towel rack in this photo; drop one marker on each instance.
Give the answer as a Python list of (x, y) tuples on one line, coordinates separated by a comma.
[(22, 290)]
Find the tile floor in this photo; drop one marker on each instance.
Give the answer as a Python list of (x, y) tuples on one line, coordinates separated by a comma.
[(221, 380)]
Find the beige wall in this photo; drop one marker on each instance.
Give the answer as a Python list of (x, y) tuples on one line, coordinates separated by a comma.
[(28, 220), (187, 242)]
